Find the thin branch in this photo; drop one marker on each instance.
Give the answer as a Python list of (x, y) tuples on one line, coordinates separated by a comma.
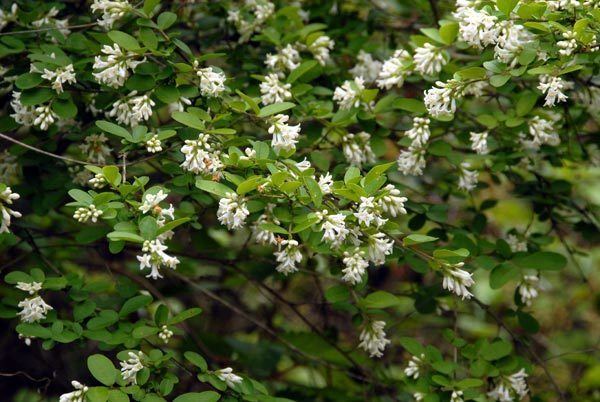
[(27, 31)]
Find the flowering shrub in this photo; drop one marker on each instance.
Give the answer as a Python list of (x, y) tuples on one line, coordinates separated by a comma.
[(299, 201)]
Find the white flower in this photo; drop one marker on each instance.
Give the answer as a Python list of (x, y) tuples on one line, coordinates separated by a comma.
[(348, 95), (395, 69), (456, 396), (418, 396), (510, 387), (475, 88), (7, 196), (368, 213), (516, 244), (98, 181), (373, 340), (33, 309), (31, 288), (262, 10), (261, 235), (23, 115), (477, 27), (568, 45), (151, 201), (229, 377), (467, 179), (179, 105), (334, 228), (479, 142), (273, 90), (288, 257), (114, 67), (325, 182), (212, 83), (60, 76), (429, 59), (552, 87), (366, 67), (111, 10), (419, 133), (232, 211), (75, 396), (379, 246), (543, 132), (357, 149), (356, 266), (512, 40), (457, 280), (529, 289), (287, 58), (285, 136), (320, 48), (441, 99), (44, 116), (414, 365), (132, 366), (165, 334), (412, 161), (154, 257), (391, 202), (95, 149), (83, 214), (200, 157), (8, 16), (153, 145), (518, 383), (132, 109)]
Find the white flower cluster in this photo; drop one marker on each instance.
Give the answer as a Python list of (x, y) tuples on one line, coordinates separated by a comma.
[(7, 196), (111, 10), (366, 67), (84, 214), (543, 132), (553, 88), (414, 366), (151, 203), (154, 257), (457, 280), (95, 149), (529, 289), (48, 20), (132, 109), (132, 366), (477, 27), (33, 309), (333, 227), (227, 375), (232, 211), (41, 116), (154, 145), (212, 82), (379, 246), (429, 59), (8, 16), (511, 41), (288, 255), (165, 334), (201, 157), (467, 178), (114, 67), (395, 69), (357, 149), (411, 161), (285, 136), (349, 94), (516, 244), (373, 339), (568, 45), (510, 387), (250, 18), (479, 142), (440, 100), (273, 90), (75, 396), (287, 58), (456, 396), (260, 234), (60, 76), (320, 49), (356, 266)]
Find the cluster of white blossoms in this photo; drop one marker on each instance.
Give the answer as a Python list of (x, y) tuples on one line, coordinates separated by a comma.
[(429, 59), (373, 339), (285, 136), (132, 109), (251, 17), (477, 27), (232, 211), (154, 145), (288, 255), (456, 396), (227, 375), (151, 203), (568, 45), (379, 246), (516, 244), (411, 161), (395, 69), (98, 181), (357, 149), (78, 395), (261, 235), (467, 178), (542, 132), (479, 142), (48, 20), (212, 82), (333, 227), (511, 41), (355, 266), (419, 133), (41, 116), (165, 334), (111, 10), (287, 58), (366, 67), (391, 202), (457, 280), (84, 214), (273, 90), (8, 16), (349, 94), (440, 100), (60, 76), (132, 366), (201, 157), (414, 366), (320, 48), (529, 289), (95, 149), (154, 257), (33, 309), (115, 66), (368, 213), (7, 196), (510, 388), (553, 88)]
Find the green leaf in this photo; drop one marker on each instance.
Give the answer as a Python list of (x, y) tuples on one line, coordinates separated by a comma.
[(314, 190), (125, 236), (115, 395), (185, 315), (381, 299), (97, 394), (166, 19), (114, 129), (144, 332), (206, 396), (188, 119), (417, 239), (275, 108), (134, 304), (196, 360), (102, 369), (503, 273), (36, 96), (472, 73), (249, 101), (301, 70), (448, 32), (80, 196), (496, 350), (506, 6), (213, 187), (124, 40), (542, 261), (410, 105), (29, 80)]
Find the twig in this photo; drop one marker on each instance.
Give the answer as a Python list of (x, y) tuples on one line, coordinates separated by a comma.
[(88, 25)]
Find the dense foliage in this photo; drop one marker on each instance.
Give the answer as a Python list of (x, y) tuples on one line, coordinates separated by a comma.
[(299, 201)]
